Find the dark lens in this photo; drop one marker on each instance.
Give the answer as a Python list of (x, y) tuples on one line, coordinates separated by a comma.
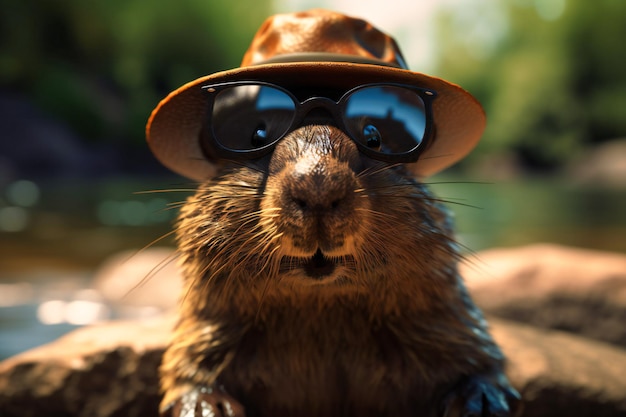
[(396, 113), (248, 117)]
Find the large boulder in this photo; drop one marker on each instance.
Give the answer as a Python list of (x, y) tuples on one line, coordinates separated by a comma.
[(559, 374), (550, 286), (111, 370), (97, 371)]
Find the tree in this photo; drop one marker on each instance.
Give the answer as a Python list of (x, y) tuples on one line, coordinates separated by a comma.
[(552, 79), (101, 66)]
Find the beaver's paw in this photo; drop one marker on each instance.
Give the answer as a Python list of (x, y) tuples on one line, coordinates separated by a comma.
[(204, 402), (481, 397)]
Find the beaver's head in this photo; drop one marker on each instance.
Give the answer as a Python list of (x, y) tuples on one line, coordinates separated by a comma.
[(316, 212)]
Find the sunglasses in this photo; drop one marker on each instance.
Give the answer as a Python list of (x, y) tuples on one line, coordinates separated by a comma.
[(388, 122)]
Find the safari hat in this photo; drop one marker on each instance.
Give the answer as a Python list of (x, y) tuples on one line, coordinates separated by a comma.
[(315, 48)]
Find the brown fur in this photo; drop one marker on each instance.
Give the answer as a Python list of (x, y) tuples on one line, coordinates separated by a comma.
[(391, 331)]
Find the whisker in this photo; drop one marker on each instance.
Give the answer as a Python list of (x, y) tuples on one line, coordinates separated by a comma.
[(232, 195), (459, 182), (456, 203), (166, 190), (376, 169), (376, 214), (425, 198), (474, 261), (149, 245), (408, 186), (173, 206), (248, 164), (265, 288), (155, 270)]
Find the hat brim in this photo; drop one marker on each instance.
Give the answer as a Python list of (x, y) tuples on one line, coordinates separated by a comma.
[(173, 130)]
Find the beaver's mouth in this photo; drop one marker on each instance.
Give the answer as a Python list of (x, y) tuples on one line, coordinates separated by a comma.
[(318, 266)]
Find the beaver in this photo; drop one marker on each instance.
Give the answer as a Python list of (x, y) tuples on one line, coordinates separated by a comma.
[(321, 273)]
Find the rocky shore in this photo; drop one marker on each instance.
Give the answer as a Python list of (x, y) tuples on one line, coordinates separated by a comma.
[(557, 312)]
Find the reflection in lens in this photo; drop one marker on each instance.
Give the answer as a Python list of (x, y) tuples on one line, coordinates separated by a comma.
[(397, 113), (372, 137), (259, 137), (247, 117)]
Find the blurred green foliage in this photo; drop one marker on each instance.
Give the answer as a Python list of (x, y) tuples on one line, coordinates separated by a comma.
[(101, 66), (550, 73), (553, 83)]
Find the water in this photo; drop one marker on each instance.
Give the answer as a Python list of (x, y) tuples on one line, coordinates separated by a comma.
[(538, 210), (55, 236)]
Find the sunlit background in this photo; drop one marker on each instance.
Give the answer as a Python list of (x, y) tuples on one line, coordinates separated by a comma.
[(78, 81)]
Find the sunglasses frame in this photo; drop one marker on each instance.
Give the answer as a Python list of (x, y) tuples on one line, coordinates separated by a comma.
[(212, 147)]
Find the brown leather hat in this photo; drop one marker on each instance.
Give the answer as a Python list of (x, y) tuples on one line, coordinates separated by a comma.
[(315, 48)]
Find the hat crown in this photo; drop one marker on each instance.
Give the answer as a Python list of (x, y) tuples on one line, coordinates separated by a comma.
[(322, 32)]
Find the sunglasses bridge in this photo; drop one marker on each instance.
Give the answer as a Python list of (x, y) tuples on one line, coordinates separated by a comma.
[(317, 110)]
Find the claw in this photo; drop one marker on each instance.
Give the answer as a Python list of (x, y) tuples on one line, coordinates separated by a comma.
[(205, 402), (480, 397)]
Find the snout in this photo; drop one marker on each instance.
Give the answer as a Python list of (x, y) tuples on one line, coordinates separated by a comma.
[(314, 184)]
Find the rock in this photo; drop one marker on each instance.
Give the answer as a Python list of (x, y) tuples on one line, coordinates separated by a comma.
[(110, 370), (104, 370), (559, 374), (550, 286)]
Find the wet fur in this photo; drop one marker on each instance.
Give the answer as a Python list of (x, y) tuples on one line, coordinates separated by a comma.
[(393, 331)]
